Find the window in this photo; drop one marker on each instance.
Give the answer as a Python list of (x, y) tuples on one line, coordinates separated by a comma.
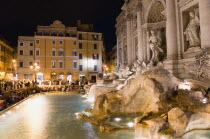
[(60, 64), (80, 56), (74, 52), (80, 36), (31, 44), (80, 45), (80, 67), (21, 64), (31, 52), (75, 64), (21, 43), (53, 42), (37, 41), (53, 52), (30, 63), (95, 46), (74, 43), (37, 51), (53, 63), (95, 56), (61, 52), (95, 68), (61, 42), (95, 36), (21, 52)]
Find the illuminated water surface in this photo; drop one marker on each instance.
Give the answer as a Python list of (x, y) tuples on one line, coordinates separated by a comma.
[(52, 116)]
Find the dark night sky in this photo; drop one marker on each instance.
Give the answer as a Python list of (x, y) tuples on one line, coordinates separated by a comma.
[(20, 17)]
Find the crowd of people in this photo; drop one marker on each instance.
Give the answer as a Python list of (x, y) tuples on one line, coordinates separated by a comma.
[(12, 92), (8, 98)]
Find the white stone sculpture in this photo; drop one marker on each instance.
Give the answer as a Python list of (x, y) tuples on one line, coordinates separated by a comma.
[(139, 67), (192, 31), (123, 72), (154, 44)]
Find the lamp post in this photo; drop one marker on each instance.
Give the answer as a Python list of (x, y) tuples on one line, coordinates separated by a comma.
[(14, 66), (35, 67)]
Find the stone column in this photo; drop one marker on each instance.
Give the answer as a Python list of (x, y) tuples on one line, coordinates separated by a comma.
[(148, 48), (118, 56), (171, 30), (122, 47), (140, 32), (204, 9), (129, 38)]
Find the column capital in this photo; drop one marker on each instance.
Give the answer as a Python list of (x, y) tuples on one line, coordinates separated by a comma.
[(138, 7), (129, 16)]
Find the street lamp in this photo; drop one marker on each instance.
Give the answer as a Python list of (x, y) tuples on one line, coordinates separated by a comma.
[(35, 67), (14, 66)]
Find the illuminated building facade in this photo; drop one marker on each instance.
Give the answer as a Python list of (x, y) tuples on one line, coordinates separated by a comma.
[(64, 53), (7, 65)]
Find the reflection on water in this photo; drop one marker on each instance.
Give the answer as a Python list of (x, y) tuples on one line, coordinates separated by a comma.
[(52, 116)]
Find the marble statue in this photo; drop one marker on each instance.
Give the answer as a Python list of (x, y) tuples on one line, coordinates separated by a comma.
[(139, 67), (124, 72), (192, 31), (154, 44)]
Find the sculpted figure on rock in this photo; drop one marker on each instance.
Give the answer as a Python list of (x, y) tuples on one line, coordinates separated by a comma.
[(154, 44), (192, 31)]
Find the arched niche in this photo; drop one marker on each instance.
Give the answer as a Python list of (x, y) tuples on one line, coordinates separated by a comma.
[(155, 8)]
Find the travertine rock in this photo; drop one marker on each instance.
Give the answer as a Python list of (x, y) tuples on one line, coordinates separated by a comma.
[(177, 120)]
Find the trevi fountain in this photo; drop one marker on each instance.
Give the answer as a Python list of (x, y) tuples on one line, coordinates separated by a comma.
[(161, 85)]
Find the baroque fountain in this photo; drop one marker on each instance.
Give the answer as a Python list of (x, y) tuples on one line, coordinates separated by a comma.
[(157, 104)]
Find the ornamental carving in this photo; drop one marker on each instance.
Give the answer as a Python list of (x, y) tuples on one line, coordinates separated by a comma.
[(155, 13), (129, 16), (135, 23), (138, 7), (57, 24)]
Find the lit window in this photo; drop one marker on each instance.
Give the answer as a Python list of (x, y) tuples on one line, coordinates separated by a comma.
[(95, 56), (74, 52), (61, 52), (53, 62), (53, 51)]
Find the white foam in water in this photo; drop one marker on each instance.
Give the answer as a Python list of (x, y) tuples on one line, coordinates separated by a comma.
[(117, 119), (130, 124)]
